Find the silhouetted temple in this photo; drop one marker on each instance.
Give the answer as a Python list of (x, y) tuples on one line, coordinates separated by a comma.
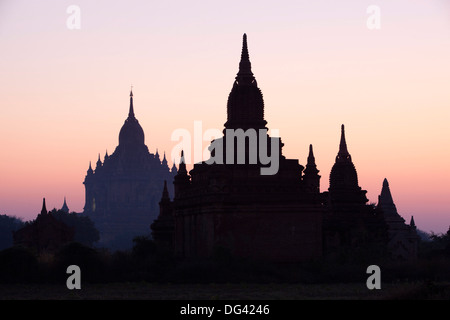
[(235, 201), (123, 191), (64, 207), (45, 234), (233, 204), (352, 229), (403, 238)]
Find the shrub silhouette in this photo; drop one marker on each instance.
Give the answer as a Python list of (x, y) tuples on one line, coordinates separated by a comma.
[(18, 265), (90, 261), (143, 248), (85, 231), (7, 226)]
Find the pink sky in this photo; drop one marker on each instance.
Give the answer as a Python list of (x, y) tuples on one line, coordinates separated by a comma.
[(64, 93)]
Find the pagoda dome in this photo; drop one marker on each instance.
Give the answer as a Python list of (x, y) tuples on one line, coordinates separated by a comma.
[(131, 132), (245, 107), (343, 173), (343, 176)]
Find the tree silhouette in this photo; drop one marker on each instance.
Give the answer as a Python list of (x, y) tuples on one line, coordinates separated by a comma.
[(85, 231), (8, 224)]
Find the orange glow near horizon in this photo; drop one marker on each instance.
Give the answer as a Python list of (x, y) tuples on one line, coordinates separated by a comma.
[(64, 93)]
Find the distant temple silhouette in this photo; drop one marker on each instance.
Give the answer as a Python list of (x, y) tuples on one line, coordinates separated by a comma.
[(282, 217), (123, 191), (402, 243), (45, 234), (64, 207)]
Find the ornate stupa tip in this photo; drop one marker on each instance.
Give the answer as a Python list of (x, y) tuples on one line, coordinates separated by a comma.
[(182, 167), (245, 67), (311, 159), (244, 54), (44, 207), (131, 112), (412, 223), (343, 153)]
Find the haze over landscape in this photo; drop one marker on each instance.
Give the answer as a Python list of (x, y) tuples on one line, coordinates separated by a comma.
[(64, 92)]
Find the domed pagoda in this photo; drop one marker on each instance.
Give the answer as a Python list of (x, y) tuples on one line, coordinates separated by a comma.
[(229, 202), (123, 191)]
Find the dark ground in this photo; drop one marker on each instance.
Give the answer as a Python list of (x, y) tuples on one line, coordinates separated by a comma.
[(150, 291)]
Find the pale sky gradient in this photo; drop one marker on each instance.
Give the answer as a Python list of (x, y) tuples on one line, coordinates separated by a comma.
[(64, 93)]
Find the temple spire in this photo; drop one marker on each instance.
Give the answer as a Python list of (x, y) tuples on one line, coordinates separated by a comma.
[(343, 152), (90, 171), (182, 179), (311, 177), (164, 160), (311, 168), (386, 203), (165, 194), (412, 223), (65, 208), (245, 105), (174, 169), (131, 112), (44, 208), (386, 196), (99, 162), (245, 67), (311, 159), (182, 166)]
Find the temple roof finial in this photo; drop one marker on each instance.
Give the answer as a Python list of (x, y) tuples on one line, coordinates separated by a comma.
[(311, 159), (90, 171), (311, 168), (412, 223), (131, 112), (174, 167), (385, 195), (244, 54), (44, 208), (343, 152), (164, 160), (182, 166), (65, 208), (245, 67), (343, 143), (99, 162), (387, 205)]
